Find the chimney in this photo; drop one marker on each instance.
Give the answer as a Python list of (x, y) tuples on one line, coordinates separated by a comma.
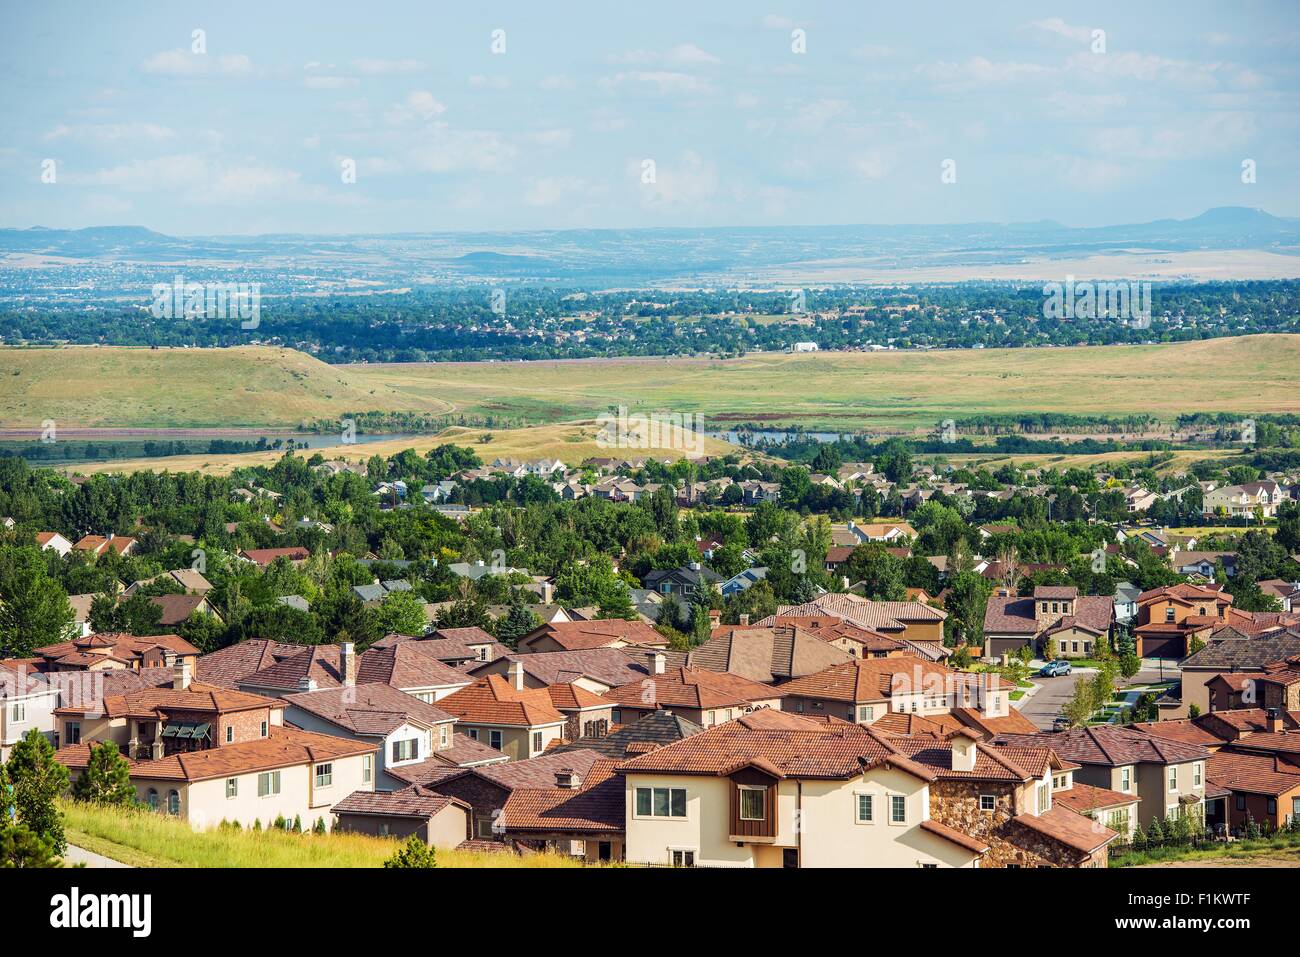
[(548, 593), (744, 620), (181, 674), (654, 662), (715, 618), (568, 779), (1274, 721), (515, 675), (695, 566), (963, 753), (348, 663), (306, 684)]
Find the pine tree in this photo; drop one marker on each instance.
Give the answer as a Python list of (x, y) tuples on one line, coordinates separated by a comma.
[(37, 781), (20, 847), (107, 778)]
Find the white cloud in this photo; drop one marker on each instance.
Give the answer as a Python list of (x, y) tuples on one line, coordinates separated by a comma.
[(664, 82), (111, 132), (980, 73), (183, 63), (481, 81), (379, 67), (1062, 29), (418, 105), (687, 182), (552, 190)]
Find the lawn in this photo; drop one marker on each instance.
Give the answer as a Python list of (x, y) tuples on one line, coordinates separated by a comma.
[(1278, 851), (143, 838)]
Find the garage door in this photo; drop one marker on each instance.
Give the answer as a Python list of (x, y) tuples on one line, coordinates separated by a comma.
[(998, 646), (1161, 647)]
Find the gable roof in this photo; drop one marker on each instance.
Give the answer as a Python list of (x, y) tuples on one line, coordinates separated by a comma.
[(766, 653), (597, 806), (493, 700), (411, 802), (876, 679), (408, 665), (610, 666), (161, 699), (598, 633), (1110, 746), (368, 709), (651, 731), (230, 665), (693, 688)]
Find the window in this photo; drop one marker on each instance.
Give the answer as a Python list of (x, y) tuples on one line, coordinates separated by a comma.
[(232, 788), (988, 802), (324, 775), (1118, 821), (367, 768), (1173, 778), (444, 735), (1196, 774), (153, 799), (1271, 807), (866, 713), (866, 812), (73, 729), (1058, 782), (1125, 779), (683, 858), (266, 730), (383, 830), (473, 733), (753, 803), (1044, 798), (495, 739), (1295, 808), (18, 712), (1241, 802), (1169, 613), (173, 802), (661, 802), (897, 809), (537, 740), (268, 783), (230, 733), (407, 749)]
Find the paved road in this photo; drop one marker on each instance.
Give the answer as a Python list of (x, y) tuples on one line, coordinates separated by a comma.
[(1045, 704), (79, 855)]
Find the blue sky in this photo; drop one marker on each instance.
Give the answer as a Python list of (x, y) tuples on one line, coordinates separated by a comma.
[(553, 133)]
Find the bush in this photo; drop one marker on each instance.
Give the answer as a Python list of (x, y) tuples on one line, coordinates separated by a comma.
[(414, 853)]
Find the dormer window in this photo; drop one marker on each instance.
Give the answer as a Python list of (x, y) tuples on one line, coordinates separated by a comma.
[(1169, 613)]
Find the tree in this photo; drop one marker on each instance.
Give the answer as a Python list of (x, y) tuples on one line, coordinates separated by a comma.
[(880, 573), (21, 847), (107, 778), (400, 612), (34, 609), (519, 622), (1129, 665), (37, 781), (414, 853)]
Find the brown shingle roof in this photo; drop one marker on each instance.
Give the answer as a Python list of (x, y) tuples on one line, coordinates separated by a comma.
[(600, 633), (408, 665), (1110, 746), (368, 709), (875, 679), (414, 801), (693, 688), (230, 665), (766, 653)]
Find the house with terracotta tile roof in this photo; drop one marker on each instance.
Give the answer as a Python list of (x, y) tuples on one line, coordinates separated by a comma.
[(696, 694), (107, 651), (208, 754), (518, 721), (600, 633), (1168, 775), (96, 545), (903, 620), (596, 669), (54, 542), (1169, 618), (436, 819), (864, 690), (769, 654), (1232, 658), (773, 789), (27, 701), (405, 729), (581, 815), (262, 557), (1056, 622)]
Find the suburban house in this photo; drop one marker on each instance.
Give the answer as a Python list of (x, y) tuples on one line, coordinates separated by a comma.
[(1201, 564), (263, 557), (600, 633), (208, 754), (700, 696), (773, 789), (581, 815), (864, 690), (1056, 622), (687, 583), (412, 667), (1168, 775), (1242, 501), (1233, 658), (1170, 616), (595, 669), (742, 581), (188, 579), (769, 654), (404, 729), (96, 545), (54, 542), (230, 665), (177, 608), (636, 737), (521, 723), (458, 647), (110, 651), (904, 620), (27, 701), (436, 819)]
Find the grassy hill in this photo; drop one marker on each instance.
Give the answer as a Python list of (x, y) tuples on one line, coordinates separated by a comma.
[(838, 391)]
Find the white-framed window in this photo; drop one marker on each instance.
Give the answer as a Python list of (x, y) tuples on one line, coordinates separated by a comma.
[(1173, 777), (537, 740), (1044, 798), (18, 712), (1125, 779), (73, 732), (865, 809), (444, 735), (266, 728), (682, 856), (324, 775), (367, 768), (753, 802), (473, 733), (408, 749), (232, 788), (897, 809), (661, 802), (1059, 781), (1197, 769), (866, 712), (988, 802), (268, 783), (495, 739), (230, 733)]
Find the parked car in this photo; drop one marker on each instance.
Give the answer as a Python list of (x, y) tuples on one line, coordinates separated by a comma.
[(1061, 723), (1054, 668)]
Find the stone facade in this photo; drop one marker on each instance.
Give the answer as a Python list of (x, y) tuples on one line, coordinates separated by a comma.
[(957, 804)]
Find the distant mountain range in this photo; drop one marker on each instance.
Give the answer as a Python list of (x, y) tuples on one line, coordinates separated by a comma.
[(608, 256)]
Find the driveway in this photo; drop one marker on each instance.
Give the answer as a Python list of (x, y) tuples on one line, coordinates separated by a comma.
[(1045, 704)]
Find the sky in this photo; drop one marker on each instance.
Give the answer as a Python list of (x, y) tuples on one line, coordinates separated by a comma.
[(344, 117)]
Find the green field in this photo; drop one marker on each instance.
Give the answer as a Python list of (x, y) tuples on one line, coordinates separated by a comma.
[(143, 838), (105, 387)]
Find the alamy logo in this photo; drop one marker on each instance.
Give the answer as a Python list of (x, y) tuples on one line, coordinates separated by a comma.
[(1130, 301), (208, 300), (75, 910)]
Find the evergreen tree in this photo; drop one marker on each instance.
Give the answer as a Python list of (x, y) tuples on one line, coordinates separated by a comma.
[(107, 778), (414, 853), (20, 847), (37, 781)]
